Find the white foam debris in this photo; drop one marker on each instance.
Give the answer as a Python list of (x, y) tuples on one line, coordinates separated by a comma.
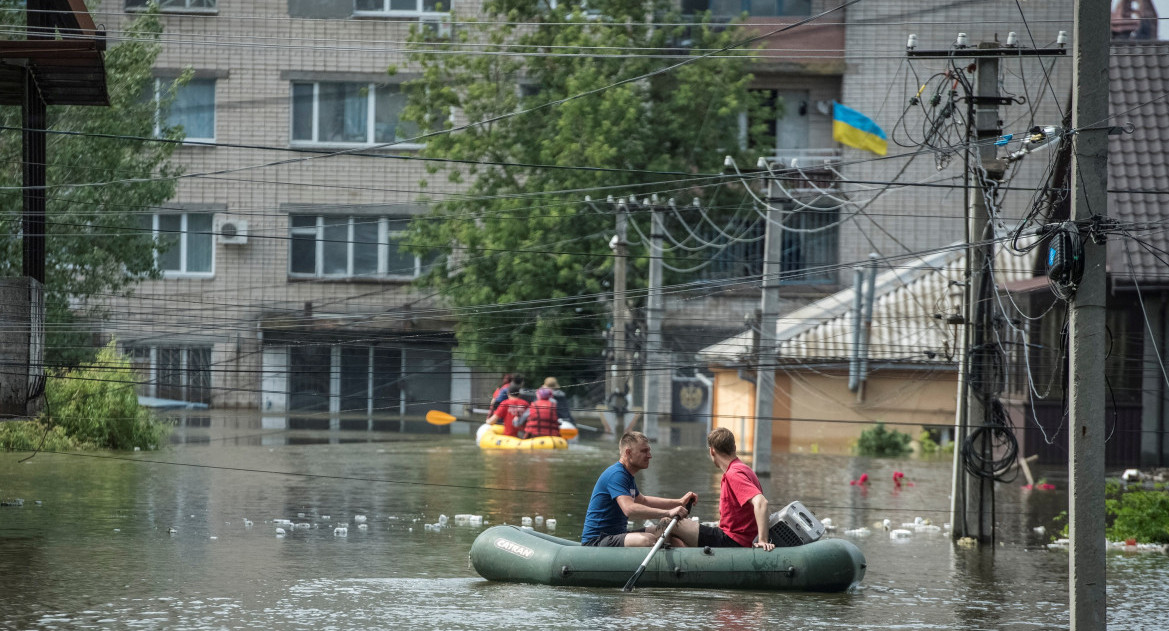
[(526, 528), (550, 524), (1040, 529), (341, 531), (117, 530), (526, 521), (858, 532), (899, 533), (442, 520), (298, 515), (214, 538), (409, 530), (539, 520), (927, 528), (363, 527), (282, 522), (248, 523), (463, 519), (171, 530), (827, 521), (280, 532), (325, 518), (360, 519), (476, 520), (302, 525)]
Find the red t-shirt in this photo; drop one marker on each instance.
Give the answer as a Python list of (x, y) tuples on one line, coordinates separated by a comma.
[(508, 411), (736, 514)]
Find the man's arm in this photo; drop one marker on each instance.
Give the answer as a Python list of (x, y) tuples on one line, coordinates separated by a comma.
[(760, 504), (639, 508)]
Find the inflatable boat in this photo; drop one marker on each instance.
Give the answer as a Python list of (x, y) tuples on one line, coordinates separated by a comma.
[(492, 437), (511, 554)]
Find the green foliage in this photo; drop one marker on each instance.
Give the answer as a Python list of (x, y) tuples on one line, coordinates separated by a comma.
[(522, 233), (878, 441), (95, 243), (1141, 515), (31, 435), (929, 446), (96, 405)]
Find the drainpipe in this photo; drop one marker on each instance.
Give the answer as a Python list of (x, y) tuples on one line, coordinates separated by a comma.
[(854, 361), (867, 326)]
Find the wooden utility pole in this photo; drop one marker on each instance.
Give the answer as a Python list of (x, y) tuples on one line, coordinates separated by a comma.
[(656, 368), (766, 359), (619, 374), (1087, 579)]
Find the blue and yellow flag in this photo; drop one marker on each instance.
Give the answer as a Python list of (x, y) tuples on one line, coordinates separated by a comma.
[(854, 129)]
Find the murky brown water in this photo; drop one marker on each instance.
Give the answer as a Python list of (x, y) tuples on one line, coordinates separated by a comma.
[(96, 553)]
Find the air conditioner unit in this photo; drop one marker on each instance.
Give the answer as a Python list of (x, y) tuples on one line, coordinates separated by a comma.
[(436, 27), (230, 231)]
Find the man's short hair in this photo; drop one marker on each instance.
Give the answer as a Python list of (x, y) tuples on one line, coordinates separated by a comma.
[(517, 379), (630, 440), (513, 391), (722, 440)]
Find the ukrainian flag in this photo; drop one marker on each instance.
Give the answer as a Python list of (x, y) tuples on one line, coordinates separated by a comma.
[(854, 129)]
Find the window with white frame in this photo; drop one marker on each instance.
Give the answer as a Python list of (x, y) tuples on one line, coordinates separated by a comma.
[(328, 246), (187, 240), (338, 113), (193, 109), (401, 8), (177, 6), (182, 373)]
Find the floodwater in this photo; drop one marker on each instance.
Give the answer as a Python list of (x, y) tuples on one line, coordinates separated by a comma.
[(91, 547)]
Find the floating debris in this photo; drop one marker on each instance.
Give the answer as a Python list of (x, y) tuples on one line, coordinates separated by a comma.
[(900, 533), (462, 519), (341, 531), (12, 502), (214, 538), (325, 518), (280, 533), (858, 532), (526, 521), (248, 523), (442, 520), (302, 525), (477, 520), (360, 519), (550, 524), (539, 520), (363, 527), (968, 542), (1040, 529), (828, 525), (171, 531)]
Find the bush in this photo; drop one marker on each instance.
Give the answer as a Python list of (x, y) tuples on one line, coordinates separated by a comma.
[(877, 441), (28, 436), (1140, 515), (96, 405)]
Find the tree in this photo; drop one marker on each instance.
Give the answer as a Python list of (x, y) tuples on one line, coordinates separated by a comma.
[(526, 262), (102, 177)]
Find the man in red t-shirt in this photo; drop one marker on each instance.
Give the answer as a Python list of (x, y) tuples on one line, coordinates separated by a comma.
[(742, 509), (513, 407)]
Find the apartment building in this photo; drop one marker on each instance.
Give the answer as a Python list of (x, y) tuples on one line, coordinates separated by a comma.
[(287, 286)]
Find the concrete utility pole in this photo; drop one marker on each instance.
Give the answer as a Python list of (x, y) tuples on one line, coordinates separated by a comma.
[(656, 368), (619, 378), (766, 364), (1086, 579)]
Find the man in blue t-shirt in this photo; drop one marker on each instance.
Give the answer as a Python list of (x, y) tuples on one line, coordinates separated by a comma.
[(616, 500)]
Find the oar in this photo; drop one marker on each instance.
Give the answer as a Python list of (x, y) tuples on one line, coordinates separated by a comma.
[(665, 535), (434, 417)]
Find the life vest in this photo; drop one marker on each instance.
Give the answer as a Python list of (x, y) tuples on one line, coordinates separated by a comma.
[(542, 419)]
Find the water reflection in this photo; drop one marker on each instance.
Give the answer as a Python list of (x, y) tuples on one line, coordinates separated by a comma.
[(97, 553)]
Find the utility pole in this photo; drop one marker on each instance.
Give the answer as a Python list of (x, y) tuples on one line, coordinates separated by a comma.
[(987, 127), (1087, 579), (978, 381), (656, 368), (619, 374), (766, 359)]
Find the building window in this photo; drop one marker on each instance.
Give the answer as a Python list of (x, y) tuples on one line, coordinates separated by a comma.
[(809, 247), (350, 114), (401, 8), (188, 247), (193, 109), (785, 132), (753, 8), (180, 373), (324, 246), (176, 6)]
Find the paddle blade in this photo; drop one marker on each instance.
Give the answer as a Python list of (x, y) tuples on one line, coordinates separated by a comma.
[(434, 417), (633, 579), (568, 431)]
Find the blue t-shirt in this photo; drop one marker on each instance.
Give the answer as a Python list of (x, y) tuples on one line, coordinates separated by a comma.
[(605, 516)]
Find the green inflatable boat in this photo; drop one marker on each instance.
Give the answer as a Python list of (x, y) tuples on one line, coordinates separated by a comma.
[(510, 554)]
